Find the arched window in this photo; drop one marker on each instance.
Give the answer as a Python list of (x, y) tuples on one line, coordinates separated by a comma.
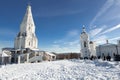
[(84, 44), (103, 55), (29, 28), (108, 54)]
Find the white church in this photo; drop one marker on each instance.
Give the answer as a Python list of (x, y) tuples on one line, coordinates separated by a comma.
[(26, 38), (89, 48), (26, 43)]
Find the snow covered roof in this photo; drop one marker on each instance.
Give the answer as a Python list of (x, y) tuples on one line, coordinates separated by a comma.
[(8, 49), (108, 44), (35, 49), (3, 55)]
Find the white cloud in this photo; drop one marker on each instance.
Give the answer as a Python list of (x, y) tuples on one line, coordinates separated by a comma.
[(111, 29), (67, 46), (96, 31), (99, 34), (69, 43), (104, 8), (72, 33), (100, 39), (4, 44), (57, 41), (109, 13), (5, 32), (62, 49), (116, 38)]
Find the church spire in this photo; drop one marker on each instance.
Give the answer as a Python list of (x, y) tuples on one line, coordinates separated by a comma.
[(83, 29), (26, 37), (27, 24), (29, 7)]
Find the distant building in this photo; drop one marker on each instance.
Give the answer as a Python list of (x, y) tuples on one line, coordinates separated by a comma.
[(108, 49), (5, 57), (88, 48), (61, 56), (92, 48), (49, 56)]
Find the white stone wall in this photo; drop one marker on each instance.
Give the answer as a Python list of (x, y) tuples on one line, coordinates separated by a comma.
[(93, 49)]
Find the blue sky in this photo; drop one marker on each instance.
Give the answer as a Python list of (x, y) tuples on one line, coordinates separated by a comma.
[(59, 22)]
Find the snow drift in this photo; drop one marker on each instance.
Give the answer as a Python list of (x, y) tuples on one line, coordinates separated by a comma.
[(62, 70)]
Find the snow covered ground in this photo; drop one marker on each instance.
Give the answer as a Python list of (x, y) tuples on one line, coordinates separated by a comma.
[(62, 70)]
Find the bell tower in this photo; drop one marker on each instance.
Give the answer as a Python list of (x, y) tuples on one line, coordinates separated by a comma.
[(85, 47)]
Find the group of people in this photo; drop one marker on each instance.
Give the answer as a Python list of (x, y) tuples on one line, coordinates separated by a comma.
[(103, 57), (108, 58)]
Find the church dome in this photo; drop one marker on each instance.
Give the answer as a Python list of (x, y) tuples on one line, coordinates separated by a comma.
[(83, 30), (91, 42), (83, 33)]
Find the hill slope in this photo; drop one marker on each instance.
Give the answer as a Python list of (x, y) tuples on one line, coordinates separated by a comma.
[(62, 70)]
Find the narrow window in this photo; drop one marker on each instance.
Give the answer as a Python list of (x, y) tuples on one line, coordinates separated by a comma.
[(84, 44), (29, 28), (29, 43)]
